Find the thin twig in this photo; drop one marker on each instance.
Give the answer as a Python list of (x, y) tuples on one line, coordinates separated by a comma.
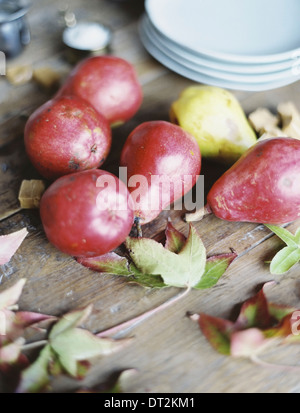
[(128, 325), (137, 221), (263, 363)]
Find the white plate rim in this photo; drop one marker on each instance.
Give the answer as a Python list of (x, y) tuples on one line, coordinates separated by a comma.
[(208, 70), (270, 58), (200, 78), (232, 67)]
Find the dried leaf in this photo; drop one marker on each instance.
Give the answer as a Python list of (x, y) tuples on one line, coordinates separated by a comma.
[(10, 243), (259, 325), (110, 263)]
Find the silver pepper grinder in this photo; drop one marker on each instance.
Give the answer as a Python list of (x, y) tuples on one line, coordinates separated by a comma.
[(14, 29)]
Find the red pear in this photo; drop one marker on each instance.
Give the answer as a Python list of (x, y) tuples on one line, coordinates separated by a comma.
[(263, 186), (109, 83), (66, 135), (163, 163)]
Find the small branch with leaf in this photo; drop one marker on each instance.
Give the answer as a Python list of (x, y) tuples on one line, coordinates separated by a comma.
[(288, 256)]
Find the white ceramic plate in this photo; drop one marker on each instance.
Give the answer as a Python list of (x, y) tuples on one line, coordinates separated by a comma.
[(223, 65), (205, 66), (252, 31), (199, 77)]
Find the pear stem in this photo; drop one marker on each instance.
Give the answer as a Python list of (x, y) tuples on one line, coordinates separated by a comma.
[(128, 325), (198, 214), (137, 222)]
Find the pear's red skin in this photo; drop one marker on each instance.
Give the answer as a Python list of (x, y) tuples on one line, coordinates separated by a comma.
[(263, 186), (66, 135), (161, 149), (109, 83), (77, 218)]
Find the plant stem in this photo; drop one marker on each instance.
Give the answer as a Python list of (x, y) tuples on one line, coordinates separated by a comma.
[(34, 345), (137, 221), (263, 363), (128, 325)]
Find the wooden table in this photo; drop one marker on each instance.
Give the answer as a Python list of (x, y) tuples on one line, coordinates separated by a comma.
[(168, 349)]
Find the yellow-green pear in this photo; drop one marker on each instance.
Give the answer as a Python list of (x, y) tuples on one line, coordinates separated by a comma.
[(216, 119)]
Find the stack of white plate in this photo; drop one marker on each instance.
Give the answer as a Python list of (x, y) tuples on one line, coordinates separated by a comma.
[(237, 44)]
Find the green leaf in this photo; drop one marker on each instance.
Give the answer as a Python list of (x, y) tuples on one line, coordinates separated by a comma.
[(69, 321), (74, 345), (181, 262), (284, 260), (151, 257), (69, 350), (178, 270), (214, 269), (145, 280), (193, 257), (35, 378), (284, 234)]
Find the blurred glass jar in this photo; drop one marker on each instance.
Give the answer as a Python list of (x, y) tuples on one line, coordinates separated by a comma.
[(14, 29)]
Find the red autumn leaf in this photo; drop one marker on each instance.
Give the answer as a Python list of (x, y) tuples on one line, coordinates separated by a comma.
[(259, 324), (175, 240), (255, 313), (110, 263), (217, 331)]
